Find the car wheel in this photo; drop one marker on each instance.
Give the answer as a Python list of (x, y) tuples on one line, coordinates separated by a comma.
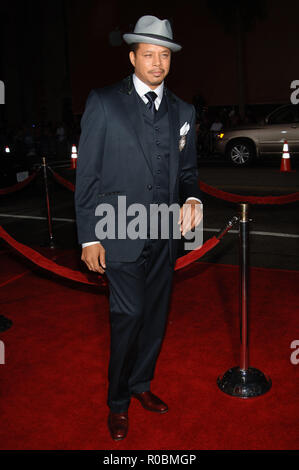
[(241, 152)]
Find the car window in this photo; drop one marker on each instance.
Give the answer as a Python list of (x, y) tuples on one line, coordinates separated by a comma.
[(284, 116)]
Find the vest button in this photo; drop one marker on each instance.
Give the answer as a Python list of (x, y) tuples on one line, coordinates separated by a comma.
[(158, 156), (158, 171), (158, 142), (149, 186)]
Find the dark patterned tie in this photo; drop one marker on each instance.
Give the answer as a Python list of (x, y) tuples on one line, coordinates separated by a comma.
[(151, 96)]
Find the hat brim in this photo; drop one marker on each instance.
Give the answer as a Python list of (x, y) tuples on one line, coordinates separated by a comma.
[(131, 38)]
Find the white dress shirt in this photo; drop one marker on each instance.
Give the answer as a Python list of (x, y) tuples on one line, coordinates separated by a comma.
[(142, 88)]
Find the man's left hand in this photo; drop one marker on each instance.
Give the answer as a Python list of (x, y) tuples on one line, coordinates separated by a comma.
[(190, 217)]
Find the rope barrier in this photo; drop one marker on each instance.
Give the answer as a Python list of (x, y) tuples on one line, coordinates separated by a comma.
[(18, 186), (63, 181), (207, 246), (46, 263), (230, 197), (194, 255)]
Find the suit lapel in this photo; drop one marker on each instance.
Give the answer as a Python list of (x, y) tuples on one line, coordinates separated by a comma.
[(132, 113), (174, 129)]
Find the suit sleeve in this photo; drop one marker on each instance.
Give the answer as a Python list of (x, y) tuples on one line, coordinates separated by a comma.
[(188, 179), (88, 173)]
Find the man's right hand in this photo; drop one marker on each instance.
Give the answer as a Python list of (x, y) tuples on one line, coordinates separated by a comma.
[(91, 255)]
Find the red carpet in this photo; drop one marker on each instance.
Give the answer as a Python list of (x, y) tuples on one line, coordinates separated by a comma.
[(54, 382)]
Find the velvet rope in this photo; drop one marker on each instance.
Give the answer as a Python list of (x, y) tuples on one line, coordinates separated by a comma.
[(46, 263), (286, 199), (196, 254), (18, 186), (78, 276), (60, 179)]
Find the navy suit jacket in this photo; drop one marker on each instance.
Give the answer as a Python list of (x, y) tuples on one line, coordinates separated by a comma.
[(113, 160)]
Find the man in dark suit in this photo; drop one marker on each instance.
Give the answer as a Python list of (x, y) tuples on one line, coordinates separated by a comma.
[(137, 142)]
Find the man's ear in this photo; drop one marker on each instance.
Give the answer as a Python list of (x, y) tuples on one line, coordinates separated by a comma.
[(132, 58)]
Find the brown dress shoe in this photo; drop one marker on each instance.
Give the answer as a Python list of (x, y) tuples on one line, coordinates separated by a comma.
[(118, 425), (151, 402)]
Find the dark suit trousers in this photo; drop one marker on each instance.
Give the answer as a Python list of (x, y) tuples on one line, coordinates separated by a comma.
[(139, 300)]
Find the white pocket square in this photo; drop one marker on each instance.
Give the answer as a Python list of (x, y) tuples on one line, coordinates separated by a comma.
[(183, 132), (184, 129)]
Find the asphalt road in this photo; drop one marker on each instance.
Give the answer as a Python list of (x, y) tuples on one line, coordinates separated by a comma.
[(23, 213)]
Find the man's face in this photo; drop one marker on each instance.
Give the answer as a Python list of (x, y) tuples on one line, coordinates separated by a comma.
[(151, 63)]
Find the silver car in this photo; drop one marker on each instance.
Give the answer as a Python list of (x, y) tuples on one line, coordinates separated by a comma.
[(244, 143)]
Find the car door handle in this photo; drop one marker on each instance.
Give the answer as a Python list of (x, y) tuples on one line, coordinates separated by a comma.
[(294, 127)]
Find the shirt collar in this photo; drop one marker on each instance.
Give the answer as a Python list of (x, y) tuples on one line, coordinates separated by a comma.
[(143, 88)]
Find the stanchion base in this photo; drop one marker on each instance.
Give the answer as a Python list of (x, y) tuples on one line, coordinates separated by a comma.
[(5, 323), (241, 383)]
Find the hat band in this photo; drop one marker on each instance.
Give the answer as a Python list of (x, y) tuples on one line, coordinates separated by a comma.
[(156, 36)]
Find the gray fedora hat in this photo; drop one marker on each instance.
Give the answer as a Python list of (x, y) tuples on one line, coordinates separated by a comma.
[(151, 30)]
